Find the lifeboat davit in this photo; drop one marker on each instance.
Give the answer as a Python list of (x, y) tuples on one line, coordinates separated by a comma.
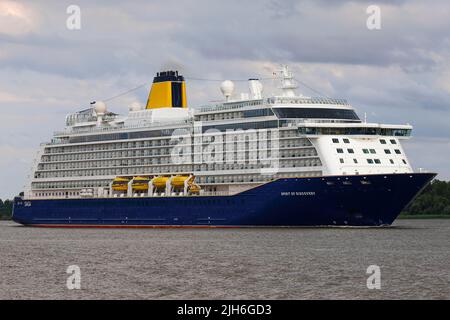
[(120, 184), (194, 189)]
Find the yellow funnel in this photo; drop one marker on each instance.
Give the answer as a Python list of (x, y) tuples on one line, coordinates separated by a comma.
[(168, 91)]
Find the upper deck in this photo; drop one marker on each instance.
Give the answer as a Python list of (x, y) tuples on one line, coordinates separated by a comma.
[(312, 116)]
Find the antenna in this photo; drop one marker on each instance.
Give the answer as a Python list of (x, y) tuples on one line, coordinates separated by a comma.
[(288, 84)]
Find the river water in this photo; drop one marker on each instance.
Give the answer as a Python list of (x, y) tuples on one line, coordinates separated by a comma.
[(290, 263)]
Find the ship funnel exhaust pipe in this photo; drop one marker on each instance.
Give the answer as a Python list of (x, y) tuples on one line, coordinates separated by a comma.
[(256, 88)]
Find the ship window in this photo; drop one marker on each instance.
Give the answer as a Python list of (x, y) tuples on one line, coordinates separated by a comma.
[(393, 141), (366, 151), (243, 126), (397, 151), (335, 140), (341, 160), (339, 150), (369, 161), (387, 151), (350, 151), (346, 141), (315, 113), (377, 161), (382, 141), (257, 113)]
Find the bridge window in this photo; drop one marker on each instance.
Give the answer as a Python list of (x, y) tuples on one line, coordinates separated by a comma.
[(387, 151), (397, 151), (315, 113), (335, 140), (339, 150), (370, 161), (341, 160), (365, 151), (346, 141), (377, 161), (350, 151), (382, 141), (257, 113), (393, 141), (373, 151)]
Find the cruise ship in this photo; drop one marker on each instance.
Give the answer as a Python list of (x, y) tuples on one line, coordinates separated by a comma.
[(252, 160)]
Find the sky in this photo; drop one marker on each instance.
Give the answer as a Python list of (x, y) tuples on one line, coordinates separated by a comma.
[(399, 73)]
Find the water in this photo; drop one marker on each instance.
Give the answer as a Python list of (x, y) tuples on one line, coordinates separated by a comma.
[(301, 263)]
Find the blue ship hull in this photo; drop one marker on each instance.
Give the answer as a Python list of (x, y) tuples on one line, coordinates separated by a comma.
[(370, 200)]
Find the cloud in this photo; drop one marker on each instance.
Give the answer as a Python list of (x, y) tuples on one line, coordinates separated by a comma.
[(8, 97), (16, 18), (320, 33)]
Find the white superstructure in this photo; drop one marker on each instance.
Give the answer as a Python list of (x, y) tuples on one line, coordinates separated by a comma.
[(229, 147)]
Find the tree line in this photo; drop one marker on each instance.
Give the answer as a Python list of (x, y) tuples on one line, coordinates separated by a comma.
[(5, 209), (433, 200)]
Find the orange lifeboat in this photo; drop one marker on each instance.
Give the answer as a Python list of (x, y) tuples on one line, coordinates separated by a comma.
[(140, 183), (160, 182), (178, 181), (120, 184)]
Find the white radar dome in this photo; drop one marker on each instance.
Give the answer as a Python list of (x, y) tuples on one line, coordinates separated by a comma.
[(100, 108), (135, 106), (227, 88)]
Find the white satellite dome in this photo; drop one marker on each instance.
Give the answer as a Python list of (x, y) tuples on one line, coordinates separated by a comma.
[(99, 108), (227, 88), (135, 106)]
